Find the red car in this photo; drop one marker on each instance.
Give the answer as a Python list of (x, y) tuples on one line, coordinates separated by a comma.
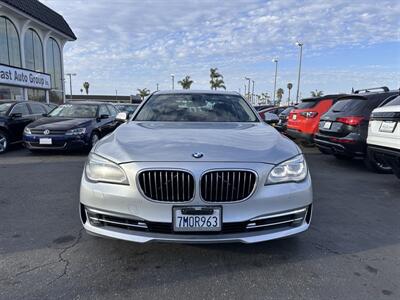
[(303, 121)]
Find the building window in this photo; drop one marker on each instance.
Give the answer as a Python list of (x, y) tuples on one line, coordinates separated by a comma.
[(10, 53), (33, 51), (53, 57), (8, 92), (37, 95)]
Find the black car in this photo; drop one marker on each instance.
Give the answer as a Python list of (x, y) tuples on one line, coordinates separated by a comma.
[(129, 109), (343, 129), (14, 116), (70, 126), (281, 126)]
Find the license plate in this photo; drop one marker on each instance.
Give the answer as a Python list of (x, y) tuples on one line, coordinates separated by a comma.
[(45, 141), (327, 125), (387, 126), (294, 117), (197, 218)]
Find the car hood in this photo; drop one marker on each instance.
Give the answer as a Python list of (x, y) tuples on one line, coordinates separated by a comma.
[(60, 123), (218, 142)]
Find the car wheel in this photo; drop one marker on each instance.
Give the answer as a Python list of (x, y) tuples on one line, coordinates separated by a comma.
[(94, 138), (375, 165), (3, 142), (343, 156)]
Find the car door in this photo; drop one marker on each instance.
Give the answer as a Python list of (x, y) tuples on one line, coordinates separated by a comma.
[(113, 114), (105, 124), (20, 116)]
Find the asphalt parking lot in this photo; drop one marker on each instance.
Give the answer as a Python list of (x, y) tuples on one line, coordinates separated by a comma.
[(352, 250)]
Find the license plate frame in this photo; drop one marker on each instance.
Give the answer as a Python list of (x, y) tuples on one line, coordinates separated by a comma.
[(327, 125), (388, 126), (45, 141), (191, 212)]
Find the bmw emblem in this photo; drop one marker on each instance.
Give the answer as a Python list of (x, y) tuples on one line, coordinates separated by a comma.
[(197, 155), (46, 132)]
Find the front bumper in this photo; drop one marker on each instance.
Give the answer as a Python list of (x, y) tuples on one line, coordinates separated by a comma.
[(135, 218), (59, 142), (390, 156)]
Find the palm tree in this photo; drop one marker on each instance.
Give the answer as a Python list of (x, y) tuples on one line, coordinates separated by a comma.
[(143, 93), (317, 93), (279, 95), (86, 87), (186, 82), (217, 80), (289, 87)]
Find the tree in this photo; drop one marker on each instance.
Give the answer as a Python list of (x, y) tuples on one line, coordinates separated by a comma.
[(186, 82), (216, 79), (279, 95), (289, 87), (143, 93), (317, 93), (86, 87)]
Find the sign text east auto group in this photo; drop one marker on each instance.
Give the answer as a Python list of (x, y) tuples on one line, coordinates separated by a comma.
[(24, 78)]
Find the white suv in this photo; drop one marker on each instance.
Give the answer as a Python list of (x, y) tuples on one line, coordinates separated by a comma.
[(384, 134)]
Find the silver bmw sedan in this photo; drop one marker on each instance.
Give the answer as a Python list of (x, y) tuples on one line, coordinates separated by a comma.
[(195, 167)]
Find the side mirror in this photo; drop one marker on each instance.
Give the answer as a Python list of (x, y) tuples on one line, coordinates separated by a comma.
[(16, 115), (104, 116), (121, 117), (271, 118)]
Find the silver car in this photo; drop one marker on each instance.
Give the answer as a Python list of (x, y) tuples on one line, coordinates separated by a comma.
[(195, 167)]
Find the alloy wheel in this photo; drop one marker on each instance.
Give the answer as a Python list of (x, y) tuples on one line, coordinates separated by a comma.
[(3, 143)]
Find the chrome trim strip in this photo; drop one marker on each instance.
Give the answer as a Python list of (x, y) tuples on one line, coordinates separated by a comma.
[(250, 226), (279, 215), (119, 223), (122, 216)]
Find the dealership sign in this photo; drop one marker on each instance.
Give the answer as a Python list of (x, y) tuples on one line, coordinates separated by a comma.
[(24, 78)]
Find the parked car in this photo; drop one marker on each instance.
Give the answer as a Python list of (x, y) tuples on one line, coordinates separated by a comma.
[(274, 110), (71, 126), (127, 107), (343, 129), (195, 166), (14, 116), (264, 106), (304, 119), (384, 134), (281, 126)]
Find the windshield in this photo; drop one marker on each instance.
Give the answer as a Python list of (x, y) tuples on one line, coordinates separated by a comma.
[(287, 111), (4, 107), (128, 108), (196, 108), (395, 101), (74, 111)]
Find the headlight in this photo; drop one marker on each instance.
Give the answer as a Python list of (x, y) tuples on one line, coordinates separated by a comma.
[(292, 170), (99, 169), (76, 131), (27, 130)]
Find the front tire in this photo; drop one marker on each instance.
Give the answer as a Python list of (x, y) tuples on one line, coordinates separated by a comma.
[(375, 165), (4, 142)]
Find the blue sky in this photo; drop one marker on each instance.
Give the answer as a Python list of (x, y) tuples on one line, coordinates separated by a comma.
[(129, 44)]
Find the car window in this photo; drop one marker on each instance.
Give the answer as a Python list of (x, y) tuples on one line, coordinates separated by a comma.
[(37, 109), (287, 111), (103, 110), (112, 110), (74, 111), (357, 106), (196, 108), (4, 107), (20, 108), (307, 104), (395, 101)]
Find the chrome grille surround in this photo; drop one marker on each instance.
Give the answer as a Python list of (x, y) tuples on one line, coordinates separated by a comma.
[(227, 185), (166, 185)]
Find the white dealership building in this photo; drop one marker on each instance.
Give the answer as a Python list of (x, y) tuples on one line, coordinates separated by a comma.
[(32, 39)]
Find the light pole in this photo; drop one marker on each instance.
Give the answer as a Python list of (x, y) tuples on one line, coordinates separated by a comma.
[(252, 93), (70, 82), (298, 78), (275, 60), (157, 87), (173, 81), (248, 88)]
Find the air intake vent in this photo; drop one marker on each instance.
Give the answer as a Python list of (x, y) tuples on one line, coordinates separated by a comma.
[(227, 186), (167, 185)]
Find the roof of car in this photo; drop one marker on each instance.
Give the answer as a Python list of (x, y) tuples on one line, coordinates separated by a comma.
[(211, 92), (332, 96), (86, 102), (367, 95)]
